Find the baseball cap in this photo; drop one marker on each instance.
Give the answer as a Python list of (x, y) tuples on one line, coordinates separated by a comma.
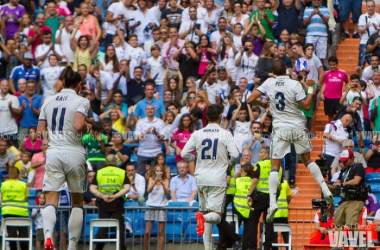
[(346, 154), (28, 56)]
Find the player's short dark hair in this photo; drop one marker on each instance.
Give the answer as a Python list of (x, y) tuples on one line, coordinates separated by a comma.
[(279, 68), (197, 113), (213, 112), (97, 126), (70, 78), (248, 168), (106, 121), (333, 59)]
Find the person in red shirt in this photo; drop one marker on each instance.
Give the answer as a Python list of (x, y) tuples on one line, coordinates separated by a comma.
[(35, 33)]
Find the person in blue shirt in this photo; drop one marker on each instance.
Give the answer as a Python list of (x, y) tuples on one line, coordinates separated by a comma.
[(29, 110), (149, 99), (26, 71)]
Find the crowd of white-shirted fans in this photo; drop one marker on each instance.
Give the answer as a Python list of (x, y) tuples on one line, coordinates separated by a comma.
[(161, 63)]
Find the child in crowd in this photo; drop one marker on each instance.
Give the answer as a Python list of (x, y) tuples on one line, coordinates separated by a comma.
[(240, 125), (155, 69), (24, 166), (37, 217), (256, 111)]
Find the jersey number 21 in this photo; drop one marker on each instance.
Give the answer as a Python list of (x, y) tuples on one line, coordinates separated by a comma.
[(209, 144)]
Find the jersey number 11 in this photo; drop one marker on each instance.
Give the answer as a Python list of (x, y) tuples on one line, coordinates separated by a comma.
[(61, 120)]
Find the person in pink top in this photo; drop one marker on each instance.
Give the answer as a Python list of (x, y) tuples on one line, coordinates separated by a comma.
[(333, 83), (87, 22), (180, 136), (38, 164), (31, 143)]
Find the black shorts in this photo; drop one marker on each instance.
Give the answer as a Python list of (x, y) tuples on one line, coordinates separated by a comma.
[(331, 106)]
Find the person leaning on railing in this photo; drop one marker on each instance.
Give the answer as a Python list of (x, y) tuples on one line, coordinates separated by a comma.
[(15, 197)]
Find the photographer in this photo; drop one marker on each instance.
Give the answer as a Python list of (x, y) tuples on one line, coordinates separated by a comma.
[(320, 235), (246, 62), (351, 186)]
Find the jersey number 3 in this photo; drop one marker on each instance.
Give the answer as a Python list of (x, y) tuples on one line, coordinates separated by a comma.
[(61, 120), (281, 101), (209, 144)]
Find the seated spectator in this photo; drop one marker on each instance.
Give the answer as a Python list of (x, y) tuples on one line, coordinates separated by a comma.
[(117, 100), (12, 149), (110, 63), (321, 235), (266, 121), (101, 84), (38, 164), (136, 193), (174, 84), (371, 204), (246, 158), (358, 158), (107, 129), (183, 187), (240, 125), (6, 158), (373, 158), (88, 198), (196, 115), (31, 143), (119, 122), (188, 102), (25, 167), (202, 102), (256, 143), (169, 119), (94, 143), (121, 152)]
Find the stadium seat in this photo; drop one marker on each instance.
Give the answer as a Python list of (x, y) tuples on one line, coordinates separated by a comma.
[(32, 195), (133, 158), (88, 219), (373, 177)]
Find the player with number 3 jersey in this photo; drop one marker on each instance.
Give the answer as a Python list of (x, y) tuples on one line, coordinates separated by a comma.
[(63, 117), (212, 144), (289, 126)]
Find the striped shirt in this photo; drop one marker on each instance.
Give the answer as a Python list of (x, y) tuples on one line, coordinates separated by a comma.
[(316, 27)]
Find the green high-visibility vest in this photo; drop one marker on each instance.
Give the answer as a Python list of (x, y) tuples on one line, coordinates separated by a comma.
[(282, 202), (231, 188), (240, 200), (110, 180), (13, 194), (265, 169)]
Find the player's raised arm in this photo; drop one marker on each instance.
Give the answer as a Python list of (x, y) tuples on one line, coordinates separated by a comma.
[(252, 99), (306, 102)]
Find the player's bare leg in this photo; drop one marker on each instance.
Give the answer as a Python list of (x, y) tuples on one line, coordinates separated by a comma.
[(75, 220), (49, 218), (204, 225), (316, 172), (273, 185)]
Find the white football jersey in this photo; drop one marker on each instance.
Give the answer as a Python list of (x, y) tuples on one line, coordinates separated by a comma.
[(212, 144), (284, 94), (59, 112)]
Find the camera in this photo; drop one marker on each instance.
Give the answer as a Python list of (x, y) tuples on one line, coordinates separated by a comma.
[(322, 205), (246, 49), (350, 192), (322, 164)]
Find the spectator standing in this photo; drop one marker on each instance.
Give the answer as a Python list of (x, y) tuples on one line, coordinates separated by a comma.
[(373, 158), (171, 17), (84, 50), (88, 23), (117, 11), (31, 143), (11, 18), (15, 195), (265, 62), (45, 49), (135, 86), (94, 142), (282, 55), (117, 101), (149, 100), (110, 63), (170, 48), (62, 37), (193, 28), (158, 9), (367, 25), (121, 152), (38, 164), (6, 159), (138, 183), (252, 32), (345, 7), (30, 108), (101, 84), (9, 106), (264, 17), (333, 83), (183, 187), (150, 134), (53, 18), (240, 125), (120, 80), (239, 16), (155, 69), (218, 34), (288, 13), (246, 62), (89, 199), (35, 34), (201, 11), (315, 19), (208, 83), (368, 71), (25, 71), (256, 143), (158, 189), (50, 75)]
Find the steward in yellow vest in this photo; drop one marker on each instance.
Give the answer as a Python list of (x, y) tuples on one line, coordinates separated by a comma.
[(282, 213), (259, 196), (15, 197), (110, 186)]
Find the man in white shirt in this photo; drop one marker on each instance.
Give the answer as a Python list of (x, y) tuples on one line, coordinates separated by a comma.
[(62, 38), (118, 11), (201, 12), (368, 24), (50, 75), (208, 82), (158, 9), (216, 35), (9, 106), (212, 145), (246, 62), (150, 135), (368, 71), (120, 79), (136, 193), (101, 83), (143, 22), (193, 28), (45, 49)]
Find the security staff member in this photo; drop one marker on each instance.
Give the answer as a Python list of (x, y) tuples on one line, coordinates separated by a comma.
[(243, 185), (352, 178), (110, 186), (282, 213), (15, 197), (260, 200)]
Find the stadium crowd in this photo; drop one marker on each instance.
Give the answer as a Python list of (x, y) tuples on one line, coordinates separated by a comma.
[(151, 68)]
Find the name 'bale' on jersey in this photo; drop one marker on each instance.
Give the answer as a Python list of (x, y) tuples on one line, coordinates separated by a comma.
[(285, 94), (59, 112), (213, 144)]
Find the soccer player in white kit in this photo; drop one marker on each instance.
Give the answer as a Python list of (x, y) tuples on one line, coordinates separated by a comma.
[(212, 144), (289, 126), (63, 119)]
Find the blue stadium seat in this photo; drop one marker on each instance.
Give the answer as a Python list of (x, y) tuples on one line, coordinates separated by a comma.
[(191, 230), (133, 158), (336, 201), (170, 159), (88, 219), (32, 194), (177, 221), (373, 177)]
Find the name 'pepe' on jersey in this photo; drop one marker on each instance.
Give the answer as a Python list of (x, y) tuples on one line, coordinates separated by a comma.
[(59, 113), (285, 94)]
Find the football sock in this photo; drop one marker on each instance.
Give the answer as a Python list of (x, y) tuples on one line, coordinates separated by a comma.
[(207, 236), (273, 185), (75, 226), (49, 218)]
